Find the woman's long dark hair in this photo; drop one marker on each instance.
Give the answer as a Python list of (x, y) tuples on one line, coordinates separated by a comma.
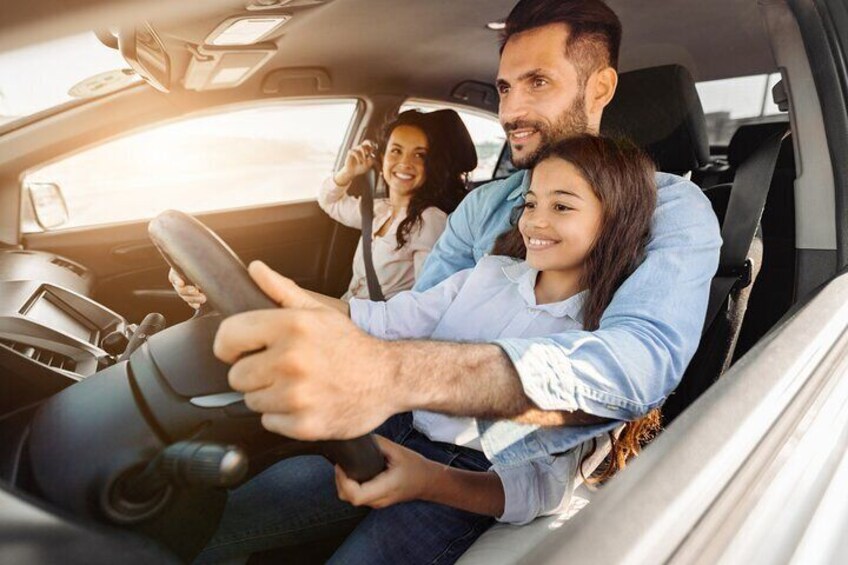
[(622, 178), (444, 183)]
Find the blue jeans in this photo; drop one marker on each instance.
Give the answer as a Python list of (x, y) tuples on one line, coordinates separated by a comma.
[(295, 502)]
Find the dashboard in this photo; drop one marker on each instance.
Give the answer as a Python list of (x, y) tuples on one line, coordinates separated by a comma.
[(51, 331)]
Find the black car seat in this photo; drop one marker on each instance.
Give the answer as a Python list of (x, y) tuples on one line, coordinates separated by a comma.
[(659, 109)]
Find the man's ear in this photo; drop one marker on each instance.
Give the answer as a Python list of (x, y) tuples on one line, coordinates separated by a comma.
[(601, 89)]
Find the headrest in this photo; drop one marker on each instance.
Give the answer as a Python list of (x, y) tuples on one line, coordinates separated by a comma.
[(659, 110), (748, 138), (446, 128)]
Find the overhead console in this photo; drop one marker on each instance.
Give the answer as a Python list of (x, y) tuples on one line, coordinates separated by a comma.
[(223, 56)]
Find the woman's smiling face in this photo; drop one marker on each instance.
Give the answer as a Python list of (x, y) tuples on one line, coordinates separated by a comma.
[(562, 217), (404, 160)]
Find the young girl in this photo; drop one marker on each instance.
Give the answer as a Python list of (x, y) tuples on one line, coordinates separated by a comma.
[(424, 183), (582, 229)]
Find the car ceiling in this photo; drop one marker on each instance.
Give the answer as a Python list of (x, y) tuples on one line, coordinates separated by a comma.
[(426, 47)]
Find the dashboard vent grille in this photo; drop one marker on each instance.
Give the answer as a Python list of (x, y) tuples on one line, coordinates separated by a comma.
[(78, 270), (43, 356)]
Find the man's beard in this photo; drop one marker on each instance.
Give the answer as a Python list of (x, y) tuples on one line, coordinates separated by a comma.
[(571, 122)]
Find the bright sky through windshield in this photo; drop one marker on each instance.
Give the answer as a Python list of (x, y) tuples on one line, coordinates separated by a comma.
[(38, 77)]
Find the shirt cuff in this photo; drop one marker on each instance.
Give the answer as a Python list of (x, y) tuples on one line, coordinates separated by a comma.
[(546, 375), (549, 380), (518, 491), (369, 316), (537, 488), (521, 503), (331, 192)]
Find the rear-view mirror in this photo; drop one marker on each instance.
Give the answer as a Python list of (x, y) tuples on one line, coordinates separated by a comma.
[(49, 205), (144, 51)]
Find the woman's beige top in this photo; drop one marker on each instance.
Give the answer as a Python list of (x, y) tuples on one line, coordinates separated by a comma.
[(396, 269)]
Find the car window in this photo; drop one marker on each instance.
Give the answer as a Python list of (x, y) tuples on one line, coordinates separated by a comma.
[(738, 101), (268, 154), (728, 104), (485, 130)]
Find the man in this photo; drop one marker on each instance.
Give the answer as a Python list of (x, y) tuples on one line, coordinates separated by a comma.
[(319, 377)]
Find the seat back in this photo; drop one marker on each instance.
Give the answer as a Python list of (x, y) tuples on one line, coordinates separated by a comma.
[(774, 292), (659, 109), (755, 175)]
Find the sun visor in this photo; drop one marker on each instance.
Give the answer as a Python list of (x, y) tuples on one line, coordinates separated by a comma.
[(214, 68)]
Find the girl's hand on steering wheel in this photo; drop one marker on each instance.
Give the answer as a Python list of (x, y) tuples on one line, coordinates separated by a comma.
[(190, 294), (357, 162), (406, 477)]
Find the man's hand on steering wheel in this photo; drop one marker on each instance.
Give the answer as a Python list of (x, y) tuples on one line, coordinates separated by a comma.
[(303, 388)]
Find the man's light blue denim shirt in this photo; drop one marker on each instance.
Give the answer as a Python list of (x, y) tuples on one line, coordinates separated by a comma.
[(647, 335)]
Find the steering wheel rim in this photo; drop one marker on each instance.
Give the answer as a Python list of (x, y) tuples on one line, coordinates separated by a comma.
[(198, 255)]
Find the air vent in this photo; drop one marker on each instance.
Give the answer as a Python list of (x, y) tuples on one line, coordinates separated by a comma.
[(78, 270), (49, 358)]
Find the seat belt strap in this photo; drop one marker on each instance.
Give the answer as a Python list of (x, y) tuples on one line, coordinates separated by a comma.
[(744, 211), (366, 209)]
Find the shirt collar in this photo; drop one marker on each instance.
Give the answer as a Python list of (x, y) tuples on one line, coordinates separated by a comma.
[(383, 209), (523, 186), (524, 276)]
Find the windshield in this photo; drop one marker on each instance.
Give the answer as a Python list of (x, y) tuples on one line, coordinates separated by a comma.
[(41, 76)]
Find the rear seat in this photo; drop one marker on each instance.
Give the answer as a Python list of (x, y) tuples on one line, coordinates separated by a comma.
[(659, 109)]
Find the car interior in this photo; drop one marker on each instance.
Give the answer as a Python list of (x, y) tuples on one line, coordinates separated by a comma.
[(97, 392)]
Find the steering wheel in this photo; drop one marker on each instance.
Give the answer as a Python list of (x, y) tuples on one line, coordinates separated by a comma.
[(200, 256)]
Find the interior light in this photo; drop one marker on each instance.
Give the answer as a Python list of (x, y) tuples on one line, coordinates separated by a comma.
[(247, 31), (496, 26)]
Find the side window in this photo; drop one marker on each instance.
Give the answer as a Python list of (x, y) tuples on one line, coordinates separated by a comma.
[(267, 154), (486, 133)]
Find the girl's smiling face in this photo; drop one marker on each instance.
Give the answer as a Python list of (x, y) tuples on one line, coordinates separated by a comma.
[(561, 219), (404, 160)]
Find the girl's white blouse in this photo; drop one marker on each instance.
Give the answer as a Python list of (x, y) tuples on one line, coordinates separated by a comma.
[(396, 268)]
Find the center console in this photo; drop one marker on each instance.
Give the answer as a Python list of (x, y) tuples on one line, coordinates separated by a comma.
[(50, 338)]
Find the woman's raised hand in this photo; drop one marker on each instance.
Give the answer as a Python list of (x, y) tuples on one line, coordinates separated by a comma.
[(357, 162), (190, 294)]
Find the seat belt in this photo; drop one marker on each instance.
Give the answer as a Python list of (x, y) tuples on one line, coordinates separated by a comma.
[(366, 209), (744, 211)]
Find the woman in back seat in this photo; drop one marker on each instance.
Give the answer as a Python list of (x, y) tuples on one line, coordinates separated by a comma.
[(424, 186)]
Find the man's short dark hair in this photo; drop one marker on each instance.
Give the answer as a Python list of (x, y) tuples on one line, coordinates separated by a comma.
[(594, 31)]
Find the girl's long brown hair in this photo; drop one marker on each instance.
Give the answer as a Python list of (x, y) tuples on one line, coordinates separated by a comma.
[(622, 178)]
